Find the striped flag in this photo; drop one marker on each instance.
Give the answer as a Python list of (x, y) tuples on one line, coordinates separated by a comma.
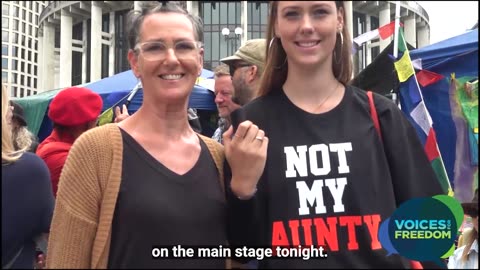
[(414, 107), (382, 32)]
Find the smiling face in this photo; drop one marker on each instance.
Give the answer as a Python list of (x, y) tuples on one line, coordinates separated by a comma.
[(308, 30), (223, 96), (169, 78)]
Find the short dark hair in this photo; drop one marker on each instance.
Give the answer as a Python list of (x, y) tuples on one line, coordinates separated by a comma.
[(136, 19)]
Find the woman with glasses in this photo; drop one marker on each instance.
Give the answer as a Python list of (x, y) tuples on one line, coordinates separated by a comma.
[(132, 191)]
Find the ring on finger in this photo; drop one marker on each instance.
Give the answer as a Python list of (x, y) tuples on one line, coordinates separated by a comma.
[(259, 138)]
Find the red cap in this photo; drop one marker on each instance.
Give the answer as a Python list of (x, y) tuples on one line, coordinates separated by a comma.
[(74, 106)]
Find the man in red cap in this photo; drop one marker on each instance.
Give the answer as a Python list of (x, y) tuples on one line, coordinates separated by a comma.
[(73, 111)]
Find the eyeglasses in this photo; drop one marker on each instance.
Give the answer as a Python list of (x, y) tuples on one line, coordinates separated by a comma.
[(157, 50), (234, 67)]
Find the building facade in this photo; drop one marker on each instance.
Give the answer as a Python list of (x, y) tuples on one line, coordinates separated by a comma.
[(20, 53), (84, 41)]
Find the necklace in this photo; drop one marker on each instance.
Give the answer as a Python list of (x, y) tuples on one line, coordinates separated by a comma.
[(329, 95)]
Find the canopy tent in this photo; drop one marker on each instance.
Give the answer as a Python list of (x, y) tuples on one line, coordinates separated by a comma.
[(459, 56), (111, 89)]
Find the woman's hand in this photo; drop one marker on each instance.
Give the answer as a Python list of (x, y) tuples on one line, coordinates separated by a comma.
[(40, 261), (246, 153)]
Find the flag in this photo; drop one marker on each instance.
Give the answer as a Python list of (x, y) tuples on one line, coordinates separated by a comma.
[(387, 30), (414, 106), (425, 77), (108, 115), (383, 32)]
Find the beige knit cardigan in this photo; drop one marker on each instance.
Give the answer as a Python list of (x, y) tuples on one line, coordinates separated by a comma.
[(80, 232)]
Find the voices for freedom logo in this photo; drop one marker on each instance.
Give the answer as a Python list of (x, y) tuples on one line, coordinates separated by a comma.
[(423, 229)]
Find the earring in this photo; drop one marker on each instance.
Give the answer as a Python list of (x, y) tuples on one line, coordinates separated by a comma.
[(271, 42), (341, 37)]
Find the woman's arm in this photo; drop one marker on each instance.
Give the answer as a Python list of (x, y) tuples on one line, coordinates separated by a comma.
[(76, 213), (246, 156)]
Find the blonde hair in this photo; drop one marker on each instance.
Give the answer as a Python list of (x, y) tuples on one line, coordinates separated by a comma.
[(23, 138), (9, 154), (469, 236), (221, 70), (276, 67)]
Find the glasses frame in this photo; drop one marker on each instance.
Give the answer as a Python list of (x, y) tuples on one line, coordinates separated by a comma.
[(138, 47)]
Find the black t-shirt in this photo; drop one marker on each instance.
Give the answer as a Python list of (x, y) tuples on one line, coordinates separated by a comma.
[(157, 207), (329, 180)]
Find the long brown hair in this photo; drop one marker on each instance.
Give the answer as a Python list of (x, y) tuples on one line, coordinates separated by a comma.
[(276, 68)]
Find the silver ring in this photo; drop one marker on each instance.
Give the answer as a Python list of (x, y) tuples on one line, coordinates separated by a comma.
[(259, 138)]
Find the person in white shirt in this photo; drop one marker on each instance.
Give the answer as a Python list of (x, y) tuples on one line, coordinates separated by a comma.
[(466, 256)]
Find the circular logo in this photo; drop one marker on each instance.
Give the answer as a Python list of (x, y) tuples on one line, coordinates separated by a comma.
[(423, 229)]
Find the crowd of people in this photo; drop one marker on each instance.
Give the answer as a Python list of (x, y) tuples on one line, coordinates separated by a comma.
[(305, 165)]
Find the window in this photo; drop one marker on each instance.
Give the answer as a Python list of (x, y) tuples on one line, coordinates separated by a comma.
[(28, 92), (14, 64), (15, 25), (257, 19), (16, 11), (5, 63), (14, 51), (22, 68), (22, 81), (216, 16), (14, 77), (104, 61), (4, 49), (5, 23), (5, 36), (35, 73), (34, 84), (5, 9), (28, 81), (24, 12), (29, 68), (4, 76), (22, 92), (15, 38), (106, 22)]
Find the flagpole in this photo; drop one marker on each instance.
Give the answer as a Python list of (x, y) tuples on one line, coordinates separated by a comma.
[(395, 43), (397, 25)]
